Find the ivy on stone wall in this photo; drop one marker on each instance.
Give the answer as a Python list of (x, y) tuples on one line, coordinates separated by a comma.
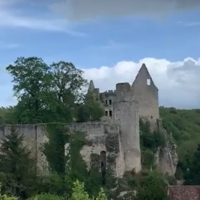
[(72, 167), (76, 165), (149, 142), (54, 149), (94, 181)]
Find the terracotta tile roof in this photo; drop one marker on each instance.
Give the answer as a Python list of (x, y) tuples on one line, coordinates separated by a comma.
[(184, 192)]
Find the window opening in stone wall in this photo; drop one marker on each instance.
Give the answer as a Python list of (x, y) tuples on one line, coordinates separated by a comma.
[(110, 113), (106, 102), (148, 81), (103, 166), (110, 102), (106, 113)]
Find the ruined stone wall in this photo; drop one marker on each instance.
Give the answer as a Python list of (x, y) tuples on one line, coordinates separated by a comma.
[(101, 137), (146, 93), (34, 137), (148, 102), (107, 99), (123, 91), (126, 115)]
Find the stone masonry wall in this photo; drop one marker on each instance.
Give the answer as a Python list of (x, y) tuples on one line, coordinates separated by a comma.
[(98, 134), (146, 93), (34, 137), (102, 137), (126, 115)]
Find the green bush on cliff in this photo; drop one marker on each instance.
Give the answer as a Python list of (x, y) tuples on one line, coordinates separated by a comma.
[(149, 141), (152, 187)]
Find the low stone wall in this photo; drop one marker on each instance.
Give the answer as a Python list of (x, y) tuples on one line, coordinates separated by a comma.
[(35, 136)]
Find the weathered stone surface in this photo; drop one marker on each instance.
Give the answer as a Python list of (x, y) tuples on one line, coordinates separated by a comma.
[(167, 159)]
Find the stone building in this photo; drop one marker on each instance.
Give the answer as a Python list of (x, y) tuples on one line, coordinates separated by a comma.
[(117, 144), (143, 91), (123, 107)]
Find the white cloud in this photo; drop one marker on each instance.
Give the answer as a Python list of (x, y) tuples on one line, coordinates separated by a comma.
[(45, 23), (178, 82), (78, 10)]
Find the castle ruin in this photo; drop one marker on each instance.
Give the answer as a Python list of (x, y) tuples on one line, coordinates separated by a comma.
[(143, 93), (117, 143), (123, 108)]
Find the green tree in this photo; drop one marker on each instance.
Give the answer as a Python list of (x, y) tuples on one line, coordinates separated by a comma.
[(80, 193), (45, 93), (17, 166), (90, 110), (152, 187), (67, 90), (5, 197), (192, 172), (7, 116), (31, 83)]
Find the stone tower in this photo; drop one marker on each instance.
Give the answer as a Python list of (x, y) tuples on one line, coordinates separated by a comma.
[(126, 116), (92, 89), (146, 93), (122, 108)]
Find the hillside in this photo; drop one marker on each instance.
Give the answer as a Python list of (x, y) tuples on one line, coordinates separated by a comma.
[(184, 126)]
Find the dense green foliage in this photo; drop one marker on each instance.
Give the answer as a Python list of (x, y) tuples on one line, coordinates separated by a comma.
[(90, 109), (54, 149), (153, 187), (185, 128), (149, 142), (54, 95), (78, 193), (18, 171), (47, 93), (190, 168)]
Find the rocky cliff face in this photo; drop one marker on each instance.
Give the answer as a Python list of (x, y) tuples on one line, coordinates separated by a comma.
[(167, 159), (166, 156)]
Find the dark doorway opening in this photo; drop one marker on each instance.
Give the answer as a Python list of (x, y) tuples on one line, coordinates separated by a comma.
[(103, 166)]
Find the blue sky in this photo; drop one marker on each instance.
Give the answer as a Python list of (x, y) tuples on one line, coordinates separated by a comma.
[(100, 37)]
